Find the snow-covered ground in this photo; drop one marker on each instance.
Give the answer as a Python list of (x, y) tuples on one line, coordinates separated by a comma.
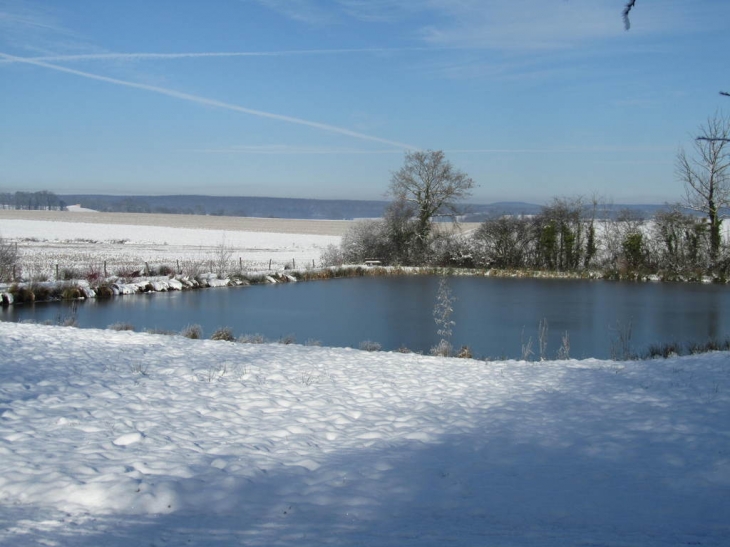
[(121, 438), (78, 242)]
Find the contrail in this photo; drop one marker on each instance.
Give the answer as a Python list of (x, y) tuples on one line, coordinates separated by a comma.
[(208, 102), (194, 55)]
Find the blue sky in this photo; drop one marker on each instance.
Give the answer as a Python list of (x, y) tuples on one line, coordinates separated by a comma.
[(320, 98)]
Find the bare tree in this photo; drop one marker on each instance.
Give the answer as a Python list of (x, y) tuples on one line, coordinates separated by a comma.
[(432, 185), (706, 175), (722, 139)]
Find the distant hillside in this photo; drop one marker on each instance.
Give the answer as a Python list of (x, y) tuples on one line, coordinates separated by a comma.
[(479, 213), (321, 209), (233, 206)]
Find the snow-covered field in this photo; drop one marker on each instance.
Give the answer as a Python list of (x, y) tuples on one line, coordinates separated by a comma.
[(125, 241), (121, 438)]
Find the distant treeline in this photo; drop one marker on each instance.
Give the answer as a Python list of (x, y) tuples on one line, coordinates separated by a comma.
[(32, 201)]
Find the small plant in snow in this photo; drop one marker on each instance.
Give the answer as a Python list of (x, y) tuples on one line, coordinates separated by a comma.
[(288, 339), (526, 346), (465, 353), (138, 368), (121, 326), (252, 339), (542, 338), (369, 345), (239, 372), (308, 378), (194, 332), (192, 268), (442, 349), (225, 334), (221, 261), (564, 351), (442, 316), (670, 349), (621, 349)]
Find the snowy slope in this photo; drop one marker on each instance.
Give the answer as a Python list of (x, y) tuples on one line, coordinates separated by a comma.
[(121, 438)]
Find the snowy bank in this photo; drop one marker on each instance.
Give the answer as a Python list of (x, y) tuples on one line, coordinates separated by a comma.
[(124, 438)]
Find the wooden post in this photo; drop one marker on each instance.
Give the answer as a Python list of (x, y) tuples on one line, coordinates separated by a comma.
[(313, 263), (147, 269), (293, 264), (57, 278), (105, 274), (240, 263), (178, 266), (269, 264)]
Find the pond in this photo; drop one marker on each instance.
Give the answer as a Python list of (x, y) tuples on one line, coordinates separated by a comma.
[(495, 317)]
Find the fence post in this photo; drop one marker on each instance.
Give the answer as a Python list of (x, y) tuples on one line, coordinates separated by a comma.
[(293, 264), (269, 264), (105, 274), (240, 263), (57, 278), (147, 269), (178, 266)]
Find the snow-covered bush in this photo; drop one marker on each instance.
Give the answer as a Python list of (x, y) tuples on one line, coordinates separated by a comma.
[(332, 256), (288, 339), (464, 353), (224, 333), (369, 345), (194, 332)]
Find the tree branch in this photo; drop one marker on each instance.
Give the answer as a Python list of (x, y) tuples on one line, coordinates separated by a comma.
[(627, 10)]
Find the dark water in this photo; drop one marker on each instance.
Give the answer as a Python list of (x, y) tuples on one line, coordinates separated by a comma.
[(495, 317)]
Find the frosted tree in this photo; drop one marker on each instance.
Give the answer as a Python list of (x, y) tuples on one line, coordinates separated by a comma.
[(432, 186), (442, 316)]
